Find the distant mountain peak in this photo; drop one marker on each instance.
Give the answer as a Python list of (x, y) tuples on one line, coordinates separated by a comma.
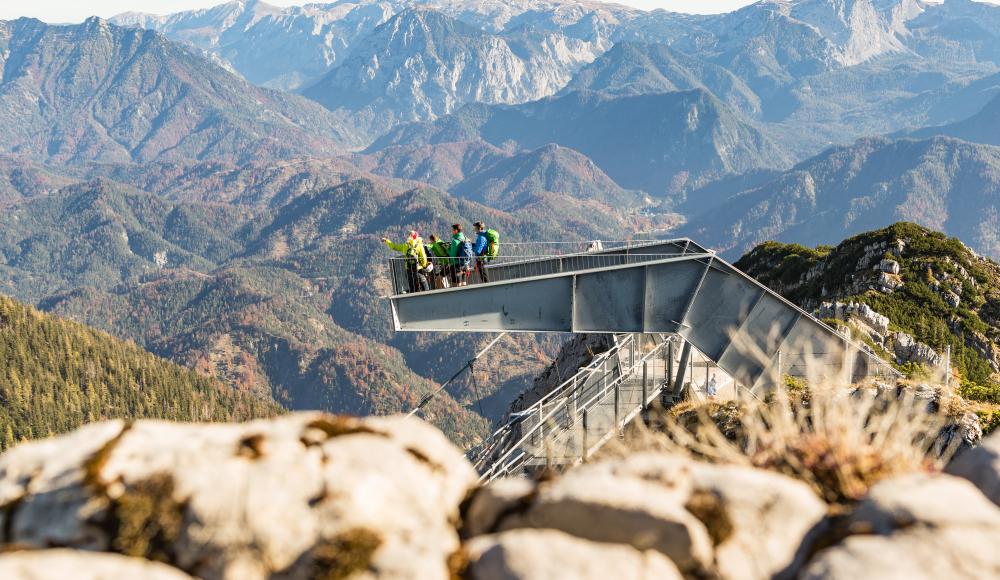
[(96, 91)]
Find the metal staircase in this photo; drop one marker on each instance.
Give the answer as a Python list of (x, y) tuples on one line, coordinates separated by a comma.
[(583, 413)]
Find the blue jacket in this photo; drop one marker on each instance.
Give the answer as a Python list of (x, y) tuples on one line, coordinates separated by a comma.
[(479, 248)]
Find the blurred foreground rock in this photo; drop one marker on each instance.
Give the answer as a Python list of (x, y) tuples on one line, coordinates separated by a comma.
[(312, 495), (283, 498), (981, 466), (61, 564), (917, 526)]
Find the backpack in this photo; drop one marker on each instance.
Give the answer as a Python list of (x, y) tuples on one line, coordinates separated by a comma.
[(492, 244)]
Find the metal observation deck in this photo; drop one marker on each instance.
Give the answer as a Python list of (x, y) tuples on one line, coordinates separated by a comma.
[(653, 295)]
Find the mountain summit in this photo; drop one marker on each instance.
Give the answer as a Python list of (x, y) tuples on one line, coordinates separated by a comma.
[(100, 92), (422, 64)]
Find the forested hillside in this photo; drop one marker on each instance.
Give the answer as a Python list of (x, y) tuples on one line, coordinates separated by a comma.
[(56, 375), (915, 281)]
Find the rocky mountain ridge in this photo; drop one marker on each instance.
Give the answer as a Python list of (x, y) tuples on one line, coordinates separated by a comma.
[(421, 64), (694, 139), (100, 92), (941, 183), (916, 293)]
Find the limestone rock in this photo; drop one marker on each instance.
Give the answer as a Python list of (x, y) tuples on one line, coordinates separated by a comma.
[(888, 283), (757, 518), (612, 502), (493, 502), (888, 266), (855, 311), (908, 349), (546, 554), (60, 564), (981, 466), (913, 527), (278, 498), (953, 299), (736, 522)]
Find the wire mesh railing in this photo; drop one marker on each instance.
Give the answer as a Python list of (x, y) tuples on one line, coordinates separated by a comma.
[(408, 276)]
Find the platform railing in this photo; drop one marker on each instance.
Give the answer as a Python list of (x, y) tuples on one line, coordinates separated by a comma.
[(445, 273)]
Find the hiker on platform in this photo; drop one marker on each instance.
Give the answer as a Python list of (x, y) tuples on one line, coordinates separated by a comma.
[(437, 253), (486, 248), (461, 256), (416, 263)]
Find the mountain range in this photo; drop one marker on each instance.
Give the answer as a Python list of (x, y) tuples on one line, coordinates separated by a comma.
[(658, 142), (101, 93), (213, 184), (943, 183)]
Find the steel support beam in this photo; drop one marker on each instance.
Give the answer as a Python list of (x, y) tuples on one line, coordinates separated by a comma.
[(678, 386)]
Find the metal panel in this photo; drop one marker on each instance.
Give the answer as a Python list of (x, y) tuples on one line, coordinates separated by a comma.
[(669, 288), (609, 300), (750, 352), (719, 308), (813, 351), (541, 305)]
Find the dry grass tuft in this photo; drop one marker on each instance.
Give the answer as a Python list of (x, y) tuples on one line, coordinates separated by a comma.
[(838, 441)]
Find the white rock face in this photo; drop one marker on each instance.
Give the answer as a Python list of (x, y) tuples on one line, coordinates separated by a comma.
[(981, 466), (908, 349), (245, 501), (421, 65), (604, 504), (547, 554), (740, 523), (769, 515), (854, 310), (857, 31), (293, 47), (917, 526), (312, 495), (61, 564)]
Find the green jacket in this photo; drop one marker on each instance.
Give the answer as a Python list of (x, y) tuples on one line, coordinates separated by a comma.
[(412, 249), (456, 244), (439, 249)]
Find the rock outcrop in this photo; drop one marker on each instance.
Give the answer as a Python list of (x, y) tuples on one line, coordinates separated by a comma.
[(981, 466), (256, 500), (908, 349), (735, 521), (59, 564), (916, 526), (546, 554), (318, 496)]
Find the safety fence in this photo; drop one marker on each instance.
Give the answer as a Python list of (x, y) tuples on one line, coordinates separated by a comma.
[(407, 276)]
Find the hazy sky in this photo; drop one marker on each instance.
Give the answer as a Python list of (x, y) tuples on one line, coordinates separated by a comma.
[(77, 10)]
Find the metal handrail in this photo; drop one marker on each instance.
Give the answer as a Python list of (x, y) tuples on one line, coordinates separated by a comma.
[(502, 466), (588, 370), (508, 268)]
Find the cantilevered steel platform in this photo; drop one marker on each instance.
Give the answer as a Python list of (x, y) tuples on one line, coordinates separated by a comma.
[(670, 287)]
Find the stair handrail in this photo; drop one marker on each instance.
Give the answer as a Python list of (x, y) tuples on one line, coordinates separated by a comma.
[(499, 463), (592, 367)]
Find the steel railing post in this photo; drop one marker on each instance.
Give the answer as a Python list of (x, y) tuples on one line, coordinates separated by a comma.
[(645, 388), (617, 395)]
